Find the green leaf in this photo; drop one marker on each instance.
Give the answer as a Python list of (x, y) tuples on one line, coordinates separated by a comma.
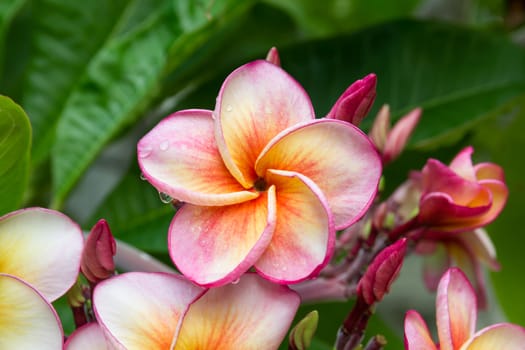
[(122, 80), (324, 18), (15, 144), (500, 140), (136, 214), (66, 36), (457, 75), (8, 9)]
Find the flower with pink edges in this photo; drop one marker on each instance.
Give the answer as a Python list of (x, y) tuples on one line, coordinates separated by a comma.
[(456, 322), (265, 184)]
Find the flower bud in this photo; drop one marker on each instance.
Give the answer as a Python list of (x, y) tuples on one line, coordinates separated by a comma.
[(97, 258), (273, 56), (382, 272), (301, 335), (353, 105)]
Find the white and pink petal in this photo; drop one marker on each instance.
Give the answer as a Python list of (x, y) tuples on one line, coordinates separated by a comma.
[(43, 247), (250, 314), (88, 337), (27, 320), (456, 310), (215, 245), (337, 156), (304, 237), (417, 335), (139, 310), (499, 336), (180, 157), (256, 102)]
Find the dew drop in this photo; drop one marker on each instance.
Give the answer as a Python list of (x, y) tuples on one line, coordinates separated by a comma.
[(164, 145), (236, 281), (144, 152), (142, 177), (229, 108), (165, 198)]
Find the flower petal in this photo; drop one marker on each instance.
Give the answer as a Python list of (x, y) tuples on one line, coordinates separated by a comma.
[(27, 320), (337, 156), (88, 337), (42, 247), (399, 135), (215, 245), (489, 171), (498, 336), (417, 336), (304, 237), (256, 102), (249, 315), (455, 310), (180, 158), (434, 266), (140, 310), (462, 164)]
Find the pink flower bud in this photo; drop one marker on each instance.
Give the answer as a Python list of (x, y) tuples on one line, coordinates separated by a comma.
[(97, 258), (382, 272), (353, 105), (273, 56), (391, 142)]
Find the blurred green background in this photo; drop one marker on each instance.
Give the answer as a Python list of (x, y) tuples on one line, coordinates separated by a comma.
[(94, 76)]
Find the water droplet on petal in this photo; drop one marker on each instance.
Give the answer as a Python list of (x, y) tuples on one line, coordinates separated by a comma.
[(164, 145), (236, 281), (165, 198), (144, 152), (142, 177), (229, 108)]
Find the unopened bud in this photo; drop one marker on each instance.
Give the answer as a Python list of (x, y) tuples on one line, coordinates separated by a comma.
[(353, 105), (382, 272), (97, 258), (273, 56), (303, 332)]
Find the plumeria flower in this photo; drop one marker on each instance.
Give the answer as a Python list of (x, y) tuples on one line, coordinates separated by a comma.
[(265, 183), (470, 251), (139, 310), (456, 322), (39, 261), (462, 196)]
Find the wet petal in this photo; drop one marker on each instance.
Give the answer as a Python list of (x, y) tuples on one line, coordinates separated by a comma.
[(304, 236), (141, 310), (215, 245), (42, 247), (337, 156), (251, 314), (498, 336), (180, 157), (87, 337), (27, 320), (417, 336), (456, 310), (256, 102)]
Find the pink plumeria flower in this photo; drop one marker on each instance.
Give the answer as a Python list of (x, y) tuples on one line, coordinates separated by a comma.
[(88, 337), (456, 322), (355, 103), (265, 183), (39, 261), (462, 196), (152, 311), (470, 251), (392, 141)]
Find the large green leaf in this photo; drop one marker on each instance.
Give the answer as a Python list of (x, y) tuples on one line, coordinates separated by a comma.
[(66, 36), (457, 75), (500, 140), (323, 18), (8, 9), (123, 79), (15, 144)]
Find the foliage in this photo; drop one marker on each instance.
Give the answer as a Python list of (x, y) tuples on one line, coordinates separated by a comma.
[(95, 76)]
